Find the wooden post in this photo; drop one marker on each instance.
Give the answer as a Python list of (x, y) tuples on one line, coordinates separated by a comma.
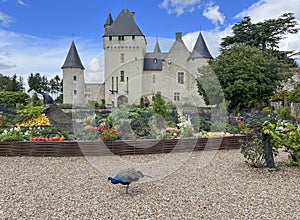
[(268, 152)]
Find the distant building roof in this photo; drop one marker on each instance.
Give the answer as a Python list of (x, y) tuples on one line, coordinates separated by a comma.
[(73, 59), (200, 49), (124, 25)]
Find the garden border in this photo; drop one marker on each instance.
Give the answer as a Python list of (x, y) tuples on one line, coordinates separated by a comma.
[(120, 147)]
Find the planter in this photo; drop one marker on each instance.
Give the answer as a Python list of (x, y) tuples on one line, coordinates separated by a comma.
[(120, 147)]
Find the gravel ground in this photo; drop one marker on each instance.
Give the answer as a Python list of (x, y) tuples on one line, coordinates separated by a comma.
[(71, 188)]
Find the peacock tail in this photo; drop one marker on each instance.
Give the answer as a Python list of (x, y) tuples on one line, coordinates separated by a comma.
[(128, 175)]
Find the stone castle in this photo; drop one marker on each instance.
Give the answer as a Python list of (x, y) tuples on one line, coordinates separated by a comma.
[(131, 72)]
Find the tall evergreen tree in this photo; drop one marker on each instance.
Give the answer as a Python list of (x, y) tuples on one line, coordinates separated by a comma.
[(264, 35)]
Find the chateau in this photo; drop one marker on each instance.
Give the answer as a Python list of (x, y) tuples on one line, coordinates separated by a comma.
[(131, 72)]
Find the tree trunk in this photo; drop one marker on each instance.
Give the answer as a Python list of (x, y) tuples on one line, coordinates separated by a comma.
[(268, 152)]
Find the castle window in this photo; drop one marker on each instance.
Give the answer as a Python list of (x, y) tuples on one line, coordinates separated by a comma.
[(122, 57), (122, 77), (154, 60), (153, 78), (74, 78), (180, 77), (121, 37), (176, 96), (110, 37), (133, 37), (75, 92)]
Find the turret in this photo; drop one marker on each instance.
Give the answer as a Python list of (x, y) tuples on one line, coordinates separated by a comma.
[(108, 22), (73, 78), (200, 49)]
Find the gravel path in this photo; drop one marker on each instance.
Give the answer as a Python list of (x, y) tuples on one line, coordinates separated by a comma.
[(70, 188)]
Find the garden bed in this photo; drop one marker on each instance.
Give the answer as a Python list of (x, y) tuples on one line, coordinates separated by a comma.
[(120, 147)]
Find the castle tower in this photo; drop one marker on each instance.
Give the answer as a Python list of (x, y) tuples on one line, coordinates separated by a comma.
[(200, 55), (124, 49), (73, 78)]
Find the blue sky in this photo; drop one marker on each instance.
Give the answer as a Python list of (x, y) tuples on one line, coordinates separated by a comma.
[(35, 35)]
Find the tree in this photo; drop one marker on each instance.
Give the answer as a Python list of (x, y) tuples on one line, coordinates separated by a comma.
[(34, 82), (159, 106), (38, 83), (264, 35), (247, 75), (12, 98), (55, 85), (209, 86), (35, 101), (11, 84)]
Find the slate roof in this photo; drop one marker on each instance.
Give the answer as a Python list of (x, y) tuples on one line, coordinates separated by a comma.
[(109, 20), (124, 25), (200, 49), (154, 61), (73, 59), (157, 47)]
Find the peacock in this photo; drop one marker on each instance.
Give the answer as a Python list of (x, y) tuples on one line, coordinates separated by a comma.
[(126, 176)]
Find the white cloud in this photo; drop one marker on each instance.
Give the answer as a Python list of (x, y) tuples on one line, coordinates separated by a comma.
[(21, 2), (266, 9), (179, 7), (95, 71), (24, 54), (5, 19), (212, 13)]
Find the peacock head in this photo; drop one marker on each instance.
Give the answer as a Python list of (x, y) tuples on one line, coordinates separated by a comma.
[(109, 178)]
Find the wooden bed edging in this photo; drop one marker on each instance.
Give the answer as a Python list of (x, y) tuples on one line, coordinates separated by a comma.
[(120, 147)]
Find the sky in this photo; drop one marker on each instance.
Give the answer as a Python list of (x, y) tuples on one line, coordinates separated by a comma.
[(35, 35)]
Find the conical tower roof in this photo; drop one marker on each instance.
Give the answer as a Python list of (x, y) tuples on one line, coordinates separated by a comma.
[(73, 59), (200, 49), (124, 25), (109, 20), (157, 47)]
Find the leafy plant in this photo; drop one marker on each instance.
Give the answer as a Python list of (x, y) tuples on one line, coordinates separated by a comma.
[(109, 135), (14, 134), (287, 135), (28, 112), (253, 150)]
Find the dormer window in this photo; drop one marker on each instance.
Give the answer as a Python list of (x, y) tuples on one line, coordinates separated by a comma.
[(154, 60)]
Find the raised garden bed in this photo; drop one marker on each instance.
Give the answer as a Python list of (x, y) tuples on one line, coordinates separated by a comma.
[(121, 147)]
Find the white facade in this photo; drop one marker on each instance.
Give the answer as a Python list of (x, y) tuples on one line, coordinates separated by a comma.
[(131, 72)]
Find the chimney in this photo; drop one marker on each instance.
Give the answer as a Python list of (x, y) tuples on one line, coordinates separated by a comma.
[(178, 36), (133, 14)]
